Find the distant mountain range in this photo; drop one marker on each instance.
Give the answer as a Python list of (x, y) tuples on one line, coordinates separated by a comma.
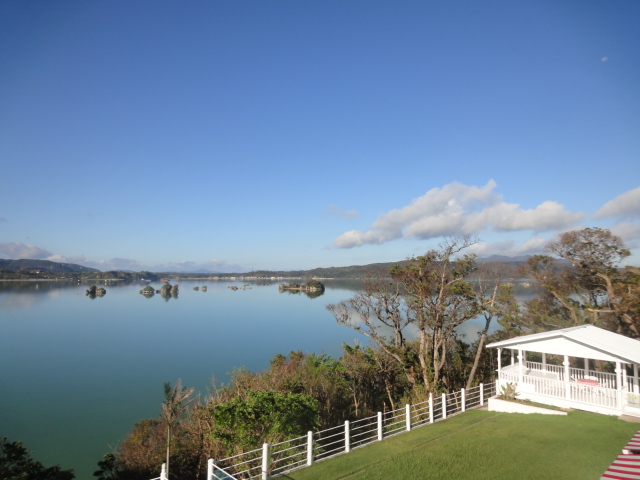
[(353, 271), (43, 265)]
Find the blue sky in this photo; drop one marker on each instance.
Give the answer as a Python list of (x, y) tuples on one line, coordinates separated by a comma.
[(240, 135)]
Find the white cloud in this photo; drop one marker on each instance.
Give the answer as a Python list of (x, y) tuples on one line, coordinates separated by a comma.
[(18, 250), (629, 232), (626, 205), (333, 210), (113, 264), (457, 208), (509, 248)]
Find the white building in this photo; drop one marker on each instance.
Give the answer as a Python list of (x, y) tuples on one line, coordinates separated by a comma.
[(580, 387)]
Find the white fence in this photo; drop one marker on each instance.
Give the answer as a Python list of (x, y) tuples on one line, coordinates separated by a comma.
[(273, 460)]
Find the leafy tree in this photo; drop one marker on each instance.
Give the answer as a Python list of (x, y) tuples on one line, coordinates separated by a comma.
[(263, 417), (17, 464), (591, 290), (107, 467)]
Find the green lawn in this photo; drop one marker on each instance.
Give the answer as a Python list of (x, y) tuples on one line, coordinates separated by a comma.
[(487, 445)]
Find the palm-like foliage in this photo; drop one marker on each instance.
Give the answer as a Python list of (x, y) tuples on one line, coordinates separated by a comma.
[(174, 406)]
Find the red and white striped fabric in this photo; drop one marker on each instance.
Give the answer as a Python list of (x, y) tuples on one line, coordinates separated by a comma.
[(625, 467), (633, 446)]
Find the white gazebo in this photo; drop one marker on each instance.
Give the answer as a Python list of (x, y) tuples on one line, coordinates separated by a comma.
[(582, 388)]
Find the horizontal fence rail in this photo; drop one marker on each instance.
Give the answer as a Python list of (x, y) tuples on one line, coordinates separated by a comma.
[(274, 460)]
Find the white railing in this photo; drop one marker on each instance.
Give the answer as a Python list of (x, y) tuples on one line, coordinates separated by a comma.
[(550, 383), (606, 380), (273, 460)]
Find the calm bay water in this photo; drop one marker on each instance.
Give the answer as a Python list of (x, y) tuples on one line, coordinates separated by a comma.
[(76, 373)]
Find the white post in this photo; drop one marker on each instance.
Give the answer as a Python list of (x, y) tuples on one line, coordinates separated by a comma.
[(444, 406), (512, 354), (544, 362), (431, 408), (499, 359), (619, 384), (347, 439), (481, 394), (407, 412), (636, 387), (265, 461), (210, 469), (310, 448), (163, 472), (586, 367), (566, 377), (464, 399), (521, 369), (379, 425)]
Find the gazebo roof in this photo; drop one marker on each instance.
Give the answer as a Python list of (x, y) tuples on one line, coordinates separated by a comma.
[(584, 341)]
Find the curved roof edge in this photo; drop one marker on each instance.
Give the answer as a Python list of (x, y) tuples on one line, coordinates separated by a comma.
[(625, 348)]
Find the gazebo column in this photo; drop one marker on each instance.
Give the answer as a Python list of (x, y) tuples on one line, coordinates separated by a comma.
[(586, 367), (619, 384), (512, 361), (544, 362), (521, 369), (636, 387), (566, 378), (499, 367)]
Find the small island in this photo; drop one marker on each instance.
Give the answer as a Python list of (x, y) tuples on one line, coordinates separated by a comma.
[(312, 285)]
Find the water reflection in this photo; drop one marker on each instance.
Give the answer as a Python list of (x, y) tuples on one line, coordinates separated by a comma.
[(79, 374)]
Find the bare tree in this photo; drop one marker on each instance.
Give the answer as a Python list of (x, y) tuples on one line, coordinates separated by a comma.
[(440, 299), (379, 312), (491, 293), (431, 293), (174, 406)]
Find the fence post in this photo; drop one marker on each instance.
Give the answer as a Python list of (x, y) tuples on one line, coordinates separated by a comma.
[(379, 425), (347, 439), (210, 469), (310, 448), (431, 408), (444, 406), (463, 394), (163, 472), (407, 410), (265, 461), (481, 394)]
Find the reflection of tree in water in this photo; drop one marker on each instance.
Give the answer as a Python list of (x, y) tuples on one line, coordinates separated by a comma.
[(315, 294), (93, 292)]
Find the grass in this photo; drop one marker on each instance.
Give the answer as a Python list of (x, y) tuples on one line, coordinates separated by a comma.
[(487, 445)]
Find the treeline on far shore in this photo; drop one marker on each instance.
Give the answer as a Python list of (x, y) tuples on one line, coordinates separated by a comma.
[(47, 270)]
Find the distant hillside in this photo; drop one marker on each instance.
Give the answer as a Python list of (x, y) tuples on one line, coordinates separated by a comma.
[(43, 265), (353, 271)]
